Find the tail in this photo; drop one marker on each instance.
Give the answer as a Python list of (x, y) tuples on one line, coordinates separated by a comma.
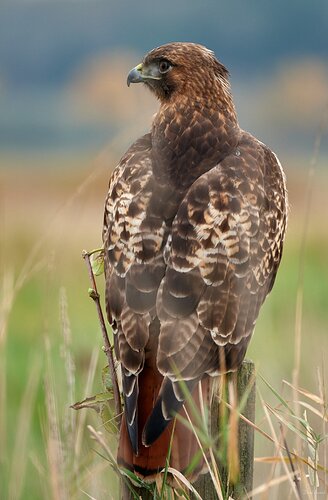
[(156, 425)]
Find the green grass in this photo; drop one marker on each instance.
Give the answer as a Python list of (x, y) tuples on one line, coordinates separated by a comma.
[(62, 229)]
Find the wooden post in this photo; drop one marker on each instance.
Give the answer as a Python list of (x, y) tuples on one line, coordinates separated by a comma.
[(204, 484), (246, 382)]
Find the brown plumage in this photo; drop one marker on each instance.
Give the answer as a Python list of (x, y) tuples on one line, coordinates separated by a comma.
[(193, 232)]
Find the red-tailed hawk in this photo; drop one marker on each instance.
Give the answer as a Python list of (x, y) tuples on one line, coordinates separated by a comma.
[(193, 232)]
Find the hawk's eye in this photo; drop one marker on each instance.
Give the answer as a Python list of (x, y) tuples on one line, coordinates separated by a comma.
[(164, 66)]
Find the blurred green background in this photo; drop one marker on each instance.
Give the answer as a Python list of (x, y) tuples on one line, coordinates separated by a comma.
[(66, 117)]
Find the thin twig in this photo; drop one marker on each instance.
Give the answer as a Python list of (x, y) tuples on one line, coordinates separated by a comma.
[(295, 477), (107, 346)]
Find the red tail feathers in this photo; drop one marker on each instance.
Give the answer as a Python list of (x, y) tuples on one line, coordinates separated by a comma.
[(152, 459)]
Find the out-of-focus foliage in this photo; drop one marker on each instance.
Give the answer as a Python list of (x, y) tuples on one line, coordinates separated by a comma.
[(58, 216), (63, 66)]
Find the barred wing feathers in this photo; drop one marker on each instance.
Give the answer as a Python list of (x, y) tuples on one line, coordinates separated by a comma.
[(223, 254), (134, 266), (205, 277)]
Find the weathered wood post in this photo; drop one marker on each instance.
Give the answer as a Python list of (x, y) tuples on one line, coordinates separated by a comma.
[(204, 485)]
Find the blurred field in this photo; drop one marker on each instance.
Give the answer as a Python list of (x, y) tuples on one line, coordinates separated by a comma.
[(47, 218), (63, 94)]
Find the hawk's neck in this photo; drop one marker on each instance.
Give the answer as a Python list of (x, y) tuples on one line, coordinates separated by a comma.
[(191, 136)]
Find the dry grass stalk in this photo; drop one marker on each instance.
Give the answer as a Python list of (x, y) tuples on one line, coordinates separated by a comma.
[(304, 237), (81, 418), (54, 445), (6, 303), (184, 481), (323, 397), (70, 417), (278, 445), (18, 460), (265, 487), (212, 469), (290, 460)]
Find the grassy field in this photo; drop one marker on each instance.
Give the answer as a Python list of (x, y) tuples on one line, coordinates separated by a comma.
[(50, 341)]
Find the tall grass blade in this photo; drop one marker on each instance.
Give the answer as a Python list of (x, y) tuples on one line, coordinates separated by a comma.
[(55, 455), (301, 266), (69, 416), (18, 460), (81, 418)]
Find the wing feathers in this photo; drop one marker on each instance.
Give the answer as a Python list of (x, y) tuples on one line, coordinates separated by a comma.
[(213, 305), (135, 328), (196, 260), (180, 292), (131, 392), (168, 403)]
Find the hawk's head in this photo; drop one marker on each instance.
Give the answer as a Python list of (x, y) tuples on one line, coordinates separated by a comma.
[(180, 68)]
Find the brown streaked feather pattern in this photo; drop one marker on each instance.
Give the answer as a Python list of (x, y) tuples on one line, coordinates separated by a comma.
[(193, 232)]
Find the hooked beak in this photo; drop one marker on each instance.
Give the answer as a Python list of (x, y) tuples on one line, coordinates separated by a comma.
[(141, 73), (135, 75)]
